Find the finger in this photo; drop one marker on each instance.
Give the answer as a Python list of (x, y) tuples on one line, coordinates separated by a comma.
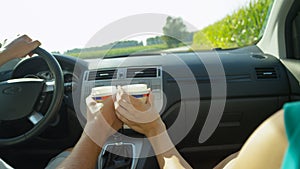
[(125, 104), (90, 101), (119, 91), (88, 114), (124, 107), (123, 92), (122, 118), (96, 108), (30, 54), (129, 102), (119, 88), (131, 109), (133, 104), (92, 105), (126, 97), (26, 38), (35, 44), (121, 110), (150, 97), (114, 96), (120, 98)]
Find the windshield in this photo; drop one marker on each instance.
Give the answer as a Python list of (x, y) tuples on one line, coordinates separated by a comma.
[(91, 29)]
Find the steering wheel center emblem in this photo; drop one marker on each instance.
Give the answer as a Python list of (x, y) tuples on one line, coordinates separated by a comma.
[(12, 90)]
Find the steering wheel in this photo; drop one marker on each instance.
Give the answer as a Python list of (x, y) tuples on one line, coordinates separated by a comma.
[(20, 97)]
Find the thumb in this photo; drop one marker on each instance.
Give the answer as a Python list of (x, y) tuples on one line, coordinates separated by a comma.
[(92, 105), (35, 44), (150, 98), (90, 101)]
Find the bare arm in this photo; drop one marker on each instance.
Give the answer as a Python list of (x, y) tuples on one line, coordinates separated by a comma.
[(265, 148), (101, 123), (144, 119), (18, 48), (167, 155), (84, 154), (226, 161)]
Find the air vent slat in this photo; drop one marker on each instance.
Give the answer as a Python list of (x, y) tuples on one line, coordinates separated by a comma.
[(141, 72), (266, 73), (102, 75)]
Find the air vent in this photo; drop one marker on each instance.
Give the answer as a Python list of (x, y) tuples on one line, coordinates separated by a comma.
[(102, 75), (266, 73), (141, 72), (255, 56)]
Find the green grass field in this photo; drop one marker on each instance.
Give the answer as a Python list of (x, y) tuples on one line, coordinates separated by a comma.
[(88, 54), (241, 28)]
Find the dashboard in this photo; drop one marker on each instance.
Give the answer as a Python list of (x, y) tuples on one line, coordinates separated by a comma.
[(187, 80), (185, 86), (182, 84), (189, 86)]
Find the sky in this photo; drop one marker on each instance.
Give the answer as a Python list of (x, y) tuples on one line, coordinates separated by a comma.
[(66, 24)]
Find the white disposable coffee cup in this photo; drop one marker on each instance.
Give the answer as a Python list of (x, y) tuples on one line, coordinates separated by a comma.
[(99, 94), (139, 91)]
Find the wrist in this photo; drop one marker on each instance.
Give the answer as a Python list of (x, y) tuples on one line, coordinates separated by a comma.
[(161, 143), (4, 56), (96, 134), (7, 54), (156, 130)]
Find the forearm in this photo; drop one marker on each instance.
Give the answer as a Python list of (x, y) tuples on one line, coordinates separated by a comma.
[(18, 48), (84, 155), (265, 148), (225, 162), (167, 155), (4, 57)]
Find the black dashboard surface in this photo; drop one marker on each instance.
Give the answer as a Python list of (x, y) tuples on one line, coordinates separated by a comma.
[(256, 85)]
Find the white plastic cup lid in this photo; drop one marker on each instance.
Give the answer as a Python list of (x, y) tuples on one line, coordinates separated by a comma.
[(103, 91), (136, 89)]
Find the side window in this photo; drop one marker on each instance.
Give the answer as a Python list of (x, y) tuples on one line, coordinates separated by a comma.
[(292, 32), (296, 36)]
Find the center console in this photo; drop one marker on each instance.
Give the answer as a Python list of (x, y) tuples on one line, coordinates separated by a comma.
[(151, 76), (118, 155), (123, 150)]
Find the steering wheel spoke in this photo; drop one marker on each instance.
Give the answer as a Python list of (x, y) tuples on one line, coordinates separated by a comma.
[(35, 117), (49, 86)]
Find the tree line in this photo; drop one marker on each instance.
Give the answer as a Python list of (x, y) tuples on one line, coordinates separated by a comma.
[(175, 34)]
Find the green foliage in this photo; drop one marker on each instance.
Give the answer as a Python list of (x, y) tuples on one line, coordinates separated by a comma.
[(96, 53), (118, 44), (175, 32), (154, 40), (56, 52), (241, 28)]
